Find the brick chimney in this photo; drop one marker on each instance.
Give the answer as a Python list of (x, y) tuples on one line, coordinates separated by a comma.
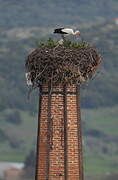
[(59, 141)]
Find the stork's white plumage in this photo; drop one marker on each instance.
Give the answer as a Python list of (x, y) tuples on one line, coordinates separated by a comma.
[(70, 31), (66, 31)]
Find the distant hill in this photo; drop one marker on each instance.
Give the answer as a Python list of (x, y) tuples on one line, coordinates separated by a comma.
[(26, 13)]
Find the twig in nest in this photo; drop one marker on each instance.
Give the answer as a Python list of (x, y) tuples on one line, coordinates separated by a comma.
[(38, 76)]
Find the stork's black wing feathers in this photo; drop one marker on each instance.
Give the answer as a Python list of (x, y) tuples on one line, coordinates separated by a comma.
[(59, 30)]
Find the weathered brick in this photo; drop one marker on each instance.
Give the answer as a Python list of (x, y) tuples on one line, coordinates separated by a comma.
[(56, 155)]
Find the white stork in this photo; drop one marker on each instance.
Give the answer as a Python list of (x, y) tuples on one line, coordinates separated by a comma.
[(66, 31)]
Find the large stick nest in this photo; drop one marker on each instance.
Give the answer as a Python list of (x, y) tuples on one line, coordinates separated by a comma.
[(60, 64)]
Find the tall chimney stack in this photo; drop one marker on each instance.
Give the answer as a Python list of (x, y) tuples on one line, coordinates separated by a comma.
[(59, 152)]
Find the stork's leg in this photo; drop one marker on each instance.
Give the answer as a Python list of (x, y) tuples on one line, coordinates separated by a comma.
[(82, 39), (63, 37)]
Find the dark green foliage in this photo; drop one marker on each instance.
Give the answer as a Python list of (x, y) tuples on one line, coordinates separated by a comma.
[(30, 159), (3, 136), (13, 117), (67, 43), (30, 164), (14, 142), (95, 133), (49, 43)]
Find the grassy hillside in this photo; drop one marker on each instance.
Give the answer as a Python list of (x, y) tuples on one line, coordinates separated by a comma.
[(100, 140), (18, 138)]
